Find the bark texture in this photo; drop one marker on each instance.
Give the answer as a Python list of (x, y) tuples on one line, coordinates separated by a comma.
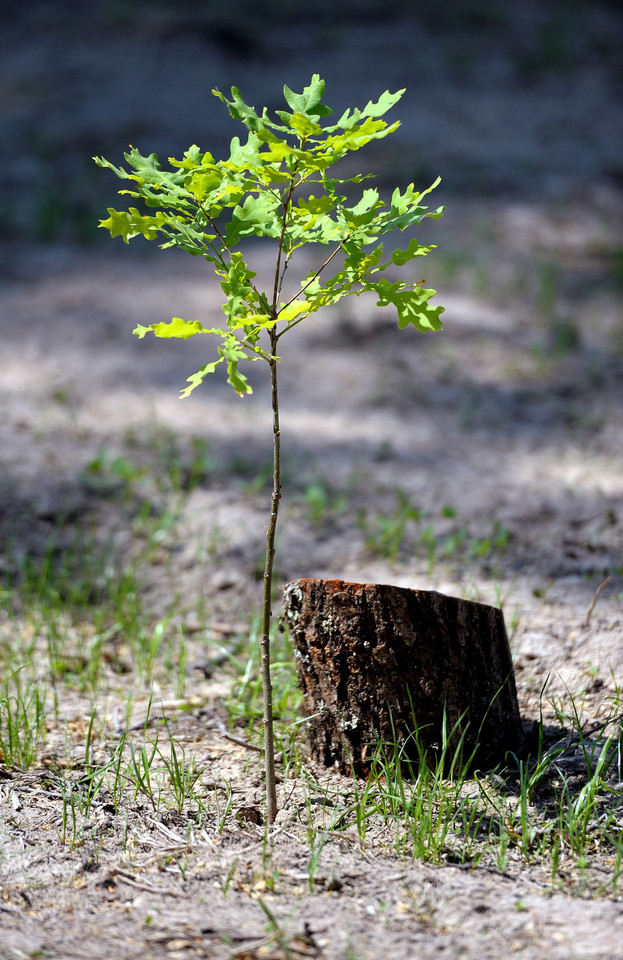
[(377, 661)]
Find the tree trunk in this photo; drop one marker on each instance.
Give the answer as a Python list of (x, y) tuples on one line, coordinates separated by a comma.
[(377, 662)]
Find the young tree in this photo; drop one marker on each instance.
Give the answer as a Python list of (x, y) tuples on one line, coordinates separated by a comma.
[(279, 184)]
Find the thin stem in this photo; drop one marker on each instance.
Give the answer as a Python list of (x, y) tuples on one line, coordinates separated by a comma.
[(260, 296), (284, 220), (292, 323), (267, 689), (269, 743), (315, 275), (283, 273)]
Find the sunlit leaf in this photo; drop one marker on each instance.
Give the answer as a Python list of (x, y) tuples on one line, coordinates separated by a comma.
[(385, 102), (233, 353), (414, 249), (304, 127), (240, 110), (175, 329), (293, 310), (411, 304), (199, 377), (131, 223), (193, 157), (309, 102)]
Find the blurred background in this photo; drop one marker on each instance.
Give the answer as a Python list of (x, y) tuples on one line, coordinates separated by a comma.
[(504, 100)]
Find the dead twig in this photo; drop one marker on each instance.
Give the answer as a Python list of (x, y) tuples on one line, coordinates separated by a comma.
[(224, 732), (146, 887), (239, 740), (596, 596)]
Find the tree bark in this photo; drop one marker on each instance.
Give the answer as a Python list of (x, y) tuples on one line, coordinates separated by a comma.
[(377, 662)]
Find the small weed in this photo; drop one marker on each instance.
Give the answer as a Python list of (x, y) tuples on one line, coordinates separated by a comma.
[(385, 533), (245, 703), (183, 771), (222, 812), (22, 720), (230, 876), (142, 773), (437, 810), (321, 505), (119, 468), (410, 530), (277, 934)]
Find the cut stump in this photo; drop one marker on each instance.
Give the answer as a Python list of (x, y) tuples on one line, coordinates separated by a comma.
[(377, 662)]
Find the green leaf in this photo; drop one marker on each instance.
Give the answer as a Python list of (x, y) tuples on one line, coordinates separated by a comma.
[(193, 158), (309, 102), (128, 224), (385, 102), (237, 380), (148, 171), (406, 209), (356, 137), (400, 257), (321, 295), (246, 156), (311, 220), (314, 207), (119, 171), (233, 353), (432, 187), (402, 202), (412, 305), (410, 219), (304, 127), (252, 323), (293, 310), (239, 110), (199, 377), (258, 215), (363, 213), (202, 183), (358, 264), (176, 329), (280, 151), (238, 277), (237, 287)]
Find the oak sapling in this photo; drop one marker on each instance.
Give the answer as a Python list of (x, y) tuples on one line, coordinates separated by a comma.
[(279, 184)]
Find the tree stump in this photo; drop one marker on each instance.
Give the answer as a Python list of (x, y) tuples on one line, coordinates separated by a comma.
[(377, 662)]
